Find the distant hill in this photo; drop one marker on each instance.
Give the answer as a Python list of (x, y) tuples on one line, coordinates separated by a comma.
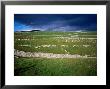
[(34, 30), (28, 31)]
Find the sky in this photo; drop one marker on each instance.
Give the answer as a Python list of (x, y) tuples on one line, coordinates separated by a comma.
[(55, 22)]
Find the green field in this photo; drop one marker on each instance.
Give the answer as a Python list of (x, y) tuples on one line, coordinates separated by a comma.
[(81, 43)]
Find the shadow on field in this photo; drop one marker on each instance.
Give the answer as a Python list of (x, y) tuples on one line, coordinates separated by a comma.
[(21, 70)]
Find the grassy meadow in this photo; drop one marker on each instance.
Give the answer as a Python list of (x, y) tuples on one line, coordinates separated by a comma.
[(81, 43)]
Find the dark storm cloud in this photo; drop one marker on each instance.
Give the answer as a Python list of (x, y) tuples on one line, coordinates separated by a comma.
[(55, 22)]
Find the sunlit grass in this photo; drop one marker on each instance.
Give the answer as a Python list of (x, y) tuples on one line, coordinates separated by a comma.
[(55, 67), (35, 39)]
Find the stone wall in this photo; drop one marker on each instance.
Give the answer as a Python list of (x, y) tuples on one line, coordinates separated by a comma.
[(47, 55)]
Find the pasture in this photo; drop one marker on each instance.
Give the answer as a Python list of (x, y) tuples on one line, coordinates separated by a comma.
[(30, 44)]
